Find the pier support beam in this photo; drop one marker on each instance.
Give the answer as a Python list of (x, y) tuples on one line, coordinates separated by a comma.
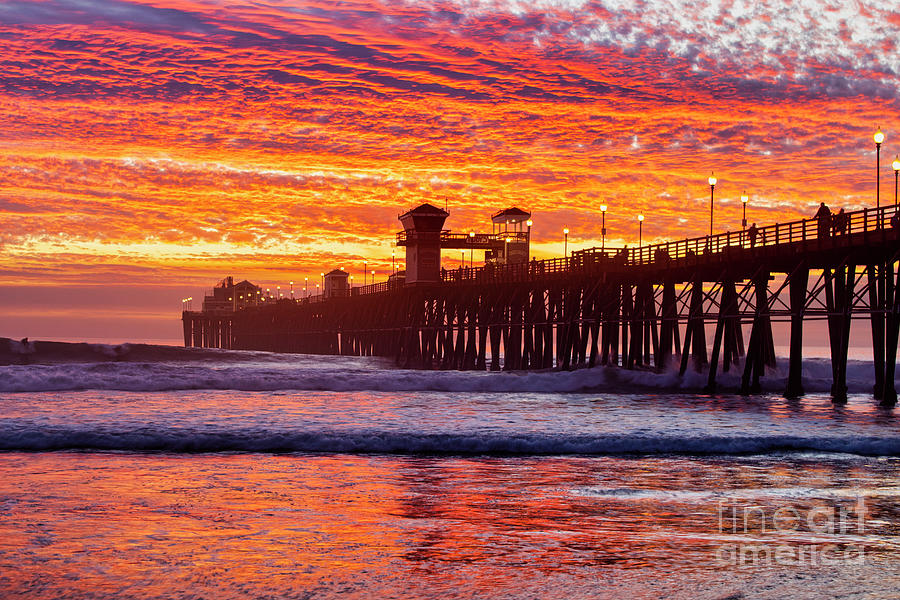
[(839, 284), (760, 337), (798, 284), (876, 278), (892, 330)]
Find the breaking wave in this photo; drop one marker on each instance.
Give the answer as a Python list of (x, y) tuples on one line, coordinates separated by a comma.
[(57, 366)]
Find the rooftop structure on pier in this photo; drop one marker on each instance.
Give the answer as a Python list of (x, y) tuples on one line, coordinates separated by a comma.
[(228, 296), (424, 237)]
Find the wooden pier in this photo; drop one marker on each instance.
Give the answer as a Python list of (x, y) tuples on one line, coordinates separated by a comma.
[(645, 307)]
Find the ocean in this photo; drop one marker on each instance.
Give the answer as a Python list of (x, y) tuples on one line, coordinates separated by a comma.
[(140, 471)]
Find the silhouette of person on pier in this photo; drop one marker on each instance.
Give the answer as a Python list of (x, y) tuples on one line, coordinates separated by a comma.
[(752, 233), (840, 223), (823, 220)]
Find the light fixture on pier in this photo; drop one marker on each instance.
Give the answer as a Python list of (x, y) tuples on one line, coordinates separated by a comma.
[(292, 290), (879, 138), (712, 189), (744, 199), (472, 250), (306, 287), (896, 165), (603, 229), (640, 230), (565, 242)]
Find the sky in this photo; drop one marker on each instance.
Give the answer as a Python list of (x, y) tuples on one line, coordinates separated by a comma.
[(149, 148)]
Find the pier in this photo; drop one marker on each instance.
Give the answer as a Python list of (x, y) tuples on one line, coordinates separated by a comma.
[(636, 308)]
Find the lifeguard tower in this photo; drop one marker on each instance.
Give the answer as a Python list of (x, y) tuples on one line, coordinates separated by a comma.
[(512, 236), (336, 284), (422, 228)]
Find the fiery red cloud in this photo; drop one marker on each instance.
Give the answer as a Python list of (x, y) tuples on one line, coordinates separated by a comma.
[(176, 141)]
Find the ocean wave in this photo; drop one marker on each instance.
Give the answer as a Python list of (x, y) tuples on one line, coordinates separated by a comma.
[(57, 366), (25, 439), (343, 374), (37, 352)]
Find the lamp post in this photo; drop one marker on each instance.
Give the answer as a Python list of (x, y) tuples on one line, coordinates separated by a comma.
[(896, 165), (393, 269), (506, 252), (712, 189), (529, 223), (565, 242), (365, 270), (878, 137), (322, 277), (640, 230), (292, 290), (744, 199), (306, 287), (603, 229), (472, 250)]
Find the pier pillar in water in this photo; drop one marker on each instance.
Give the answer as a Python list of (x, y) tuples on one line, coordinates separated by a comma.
[(798, 284), (187, 325)]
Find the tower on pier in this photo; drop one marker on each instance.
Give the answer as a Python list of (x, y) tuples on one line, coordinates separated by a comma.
[(422, 228)]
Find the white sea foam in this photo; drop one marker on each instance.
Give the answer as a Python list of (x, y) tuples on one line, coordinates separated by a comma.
[(294, 372)]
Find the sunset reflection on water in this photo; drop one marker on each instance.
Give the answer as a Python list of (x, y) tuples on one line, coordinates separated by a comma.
[(247, 525)]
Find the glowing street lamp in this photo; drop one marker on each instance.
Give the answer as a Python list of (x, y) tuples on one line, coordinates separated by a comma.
[(529, 223), (712, 189), (566, 242), (306, 287), (603, 229), (462, 259), (896, 165), (393, 269), (640, 230), (472, 250), (744, 199), (292, 290), (878, 137)]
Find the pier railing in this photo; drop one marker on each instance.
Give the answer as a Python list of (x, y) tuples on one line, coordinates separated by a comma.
[(835, 229)]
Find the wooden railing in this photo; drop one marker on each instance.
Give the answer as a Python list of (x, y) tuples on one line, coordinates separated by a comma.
[(838, 225), (806, 230)]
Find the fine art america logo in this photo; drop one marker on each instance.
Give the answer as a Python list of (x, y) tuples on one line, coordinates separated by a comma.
[(822, 535)]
